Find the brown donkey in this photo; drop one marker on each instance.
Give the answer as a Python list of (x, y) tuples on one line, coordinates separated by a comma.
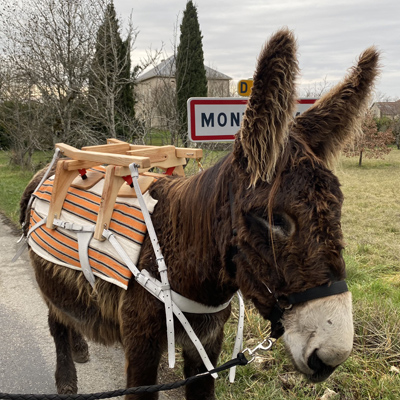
[(265, 220)]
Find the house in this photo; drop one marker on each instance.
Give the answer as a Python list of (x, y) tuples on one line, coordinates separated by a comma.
[(156, 92), (389, 109)]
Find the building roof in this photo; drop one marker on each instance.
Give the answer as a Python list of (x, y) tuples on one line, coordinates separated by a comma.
[(389, 107), (167, 69)]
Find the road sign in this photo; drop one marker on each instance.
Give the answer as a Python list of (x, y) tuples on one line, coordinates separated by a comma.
[(244, 87), (212, 119)]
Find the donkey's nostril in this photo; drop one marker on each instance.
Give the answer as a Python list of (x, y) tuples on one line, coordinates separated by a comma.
[(321, 370)]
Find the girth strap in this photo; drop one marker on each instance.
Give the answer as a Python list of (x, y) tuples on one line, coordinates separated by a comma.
[(84, 239), (84, 235)]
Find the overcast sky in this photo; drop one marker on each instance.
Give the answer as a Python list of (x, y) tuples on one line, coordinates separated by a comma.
[(331, 34)]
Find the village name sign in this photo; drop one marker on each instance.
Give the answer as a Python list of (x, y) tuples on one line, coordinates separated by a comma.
[(212, 119)]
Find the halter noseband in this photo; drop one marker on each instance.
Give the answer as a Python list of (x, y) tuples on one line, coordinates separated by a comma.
[(318, 292)]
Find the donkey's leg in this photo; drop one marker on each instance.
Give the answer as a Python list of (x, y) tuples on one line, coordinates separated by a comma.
[(142, 360), (79, 347), (66, 380), (202, 389)]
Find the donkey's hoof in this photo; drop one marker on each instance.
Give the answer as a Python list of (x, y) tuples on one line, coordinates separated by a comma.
[(81, 356), (67, 389), (80, 351)]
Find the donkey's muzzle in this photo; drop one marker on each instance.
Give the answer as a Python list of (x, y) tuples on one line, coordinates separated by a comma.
[(321, 370)]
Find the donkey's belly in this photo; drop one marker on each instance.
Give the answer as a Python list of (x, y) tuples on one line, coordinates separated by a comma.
[(74, 302)]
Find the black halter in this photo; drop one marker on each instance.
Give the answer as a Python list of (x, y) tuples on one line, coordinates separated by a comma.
[(317, 292)]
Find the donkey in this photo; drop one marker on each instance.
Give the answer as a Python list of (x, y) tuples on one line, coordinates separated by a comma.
[(265, 220)]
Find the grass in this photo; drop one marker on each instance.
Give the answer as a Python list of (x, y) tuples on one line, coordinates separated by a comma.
[(371, 226), (13, 181)]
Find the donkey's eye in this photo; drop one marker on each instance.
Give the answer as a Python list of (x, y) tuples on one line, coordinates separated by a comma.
[(278, 223)]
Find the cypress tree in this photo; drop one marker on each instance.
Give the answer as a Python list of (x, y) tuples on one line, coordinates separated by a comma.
[(191, 78), (111, 81)]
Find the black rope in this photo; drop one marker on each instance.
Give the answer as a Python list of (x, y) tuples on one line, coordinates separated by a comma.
[(240, 360)]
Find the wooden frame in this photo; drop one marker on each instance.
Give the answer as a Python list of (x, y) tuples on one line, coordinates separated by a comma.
[(117, 155)]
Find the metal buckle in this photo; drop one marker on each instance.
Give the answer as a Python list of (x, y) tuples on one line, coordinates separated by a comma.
[(260, 346)]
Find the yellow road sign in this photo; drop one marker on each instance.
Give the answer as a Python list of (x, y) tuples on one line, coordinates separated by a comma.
[(244, 87)]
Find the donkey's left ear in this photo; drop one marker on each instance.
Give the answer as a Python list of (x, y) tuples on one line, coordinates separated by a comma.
[(337, 116), (264, 132)]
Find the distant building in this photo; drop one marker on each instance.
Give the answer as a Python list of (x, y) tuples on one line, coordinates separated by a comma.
[(156, 90), (389, 109)]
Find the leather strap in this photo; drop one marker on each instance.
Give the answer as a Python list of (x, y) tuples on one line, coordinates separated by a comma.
[(84, 239), (162, 268), (154, 286), (238, 347), (47, 173), (84, 234), (318, 292), (24, 244)]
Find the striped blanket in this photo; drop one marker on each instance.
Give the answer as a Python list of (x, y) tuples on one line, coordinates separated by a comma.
[(81, 207)]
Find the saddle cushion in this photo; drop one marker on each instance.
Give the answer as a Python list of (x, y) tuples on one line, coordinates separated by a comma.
[(81, 207)]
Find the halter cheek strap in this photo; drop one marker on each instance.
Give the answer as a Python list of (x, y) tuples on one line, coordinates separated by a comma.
[(317, 292)]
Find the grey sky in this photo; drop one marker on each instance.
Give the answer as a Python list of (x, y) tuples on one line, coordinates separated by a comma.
[(331, 34)]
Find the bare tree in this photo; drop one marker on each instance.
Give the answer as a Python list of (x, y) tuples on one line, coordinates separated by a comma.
[(23, 117), (316, 89), (51, 44), (371, 143)]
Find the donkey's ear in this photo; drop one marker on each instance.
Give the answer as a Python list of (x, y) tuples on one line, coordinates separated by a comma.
[(264, 132), (336, 118)]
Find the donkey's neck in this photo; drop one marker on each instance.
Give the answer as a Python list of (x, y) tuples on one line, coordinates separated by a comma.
[(193, 223)]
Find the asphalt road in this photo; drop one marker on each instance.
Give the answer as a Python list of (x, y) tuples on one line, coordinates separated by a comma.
[(27, 355)]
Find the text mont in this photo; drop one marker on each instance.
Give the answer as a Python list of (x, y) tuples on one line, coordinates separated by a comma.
[(221, 119)]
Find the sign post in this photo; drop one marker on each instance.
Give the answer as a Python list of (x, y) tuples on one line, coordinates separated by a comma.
[(212, 119)]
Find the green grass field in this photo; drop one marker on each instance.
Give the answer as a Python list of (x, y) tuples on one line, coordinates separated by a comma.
[(371, 226)]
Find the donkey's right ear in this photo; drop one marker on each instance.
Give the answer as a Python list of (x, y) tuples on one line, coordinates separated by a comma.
[(264, 129)]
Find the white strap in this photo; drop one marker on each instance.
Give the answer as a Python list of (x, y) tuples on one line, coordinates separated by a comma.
[(154, 286), (84, 234), (239, 336), (37, 225), (162, 268), (72, 226), (25, 242), (47, 173), (190, 306), (84, 239)]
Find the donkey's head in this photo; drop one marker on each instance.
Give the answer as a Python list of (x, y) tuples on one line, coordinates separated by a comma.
[(287, 206)]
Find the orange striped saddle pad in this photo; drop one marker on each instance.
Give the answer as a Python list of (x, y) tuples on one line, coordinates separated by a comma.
[(81, 207)]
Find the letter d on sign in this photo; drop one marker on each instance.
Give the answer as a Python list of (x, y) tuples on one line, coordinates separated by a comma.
[(243, 88)]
